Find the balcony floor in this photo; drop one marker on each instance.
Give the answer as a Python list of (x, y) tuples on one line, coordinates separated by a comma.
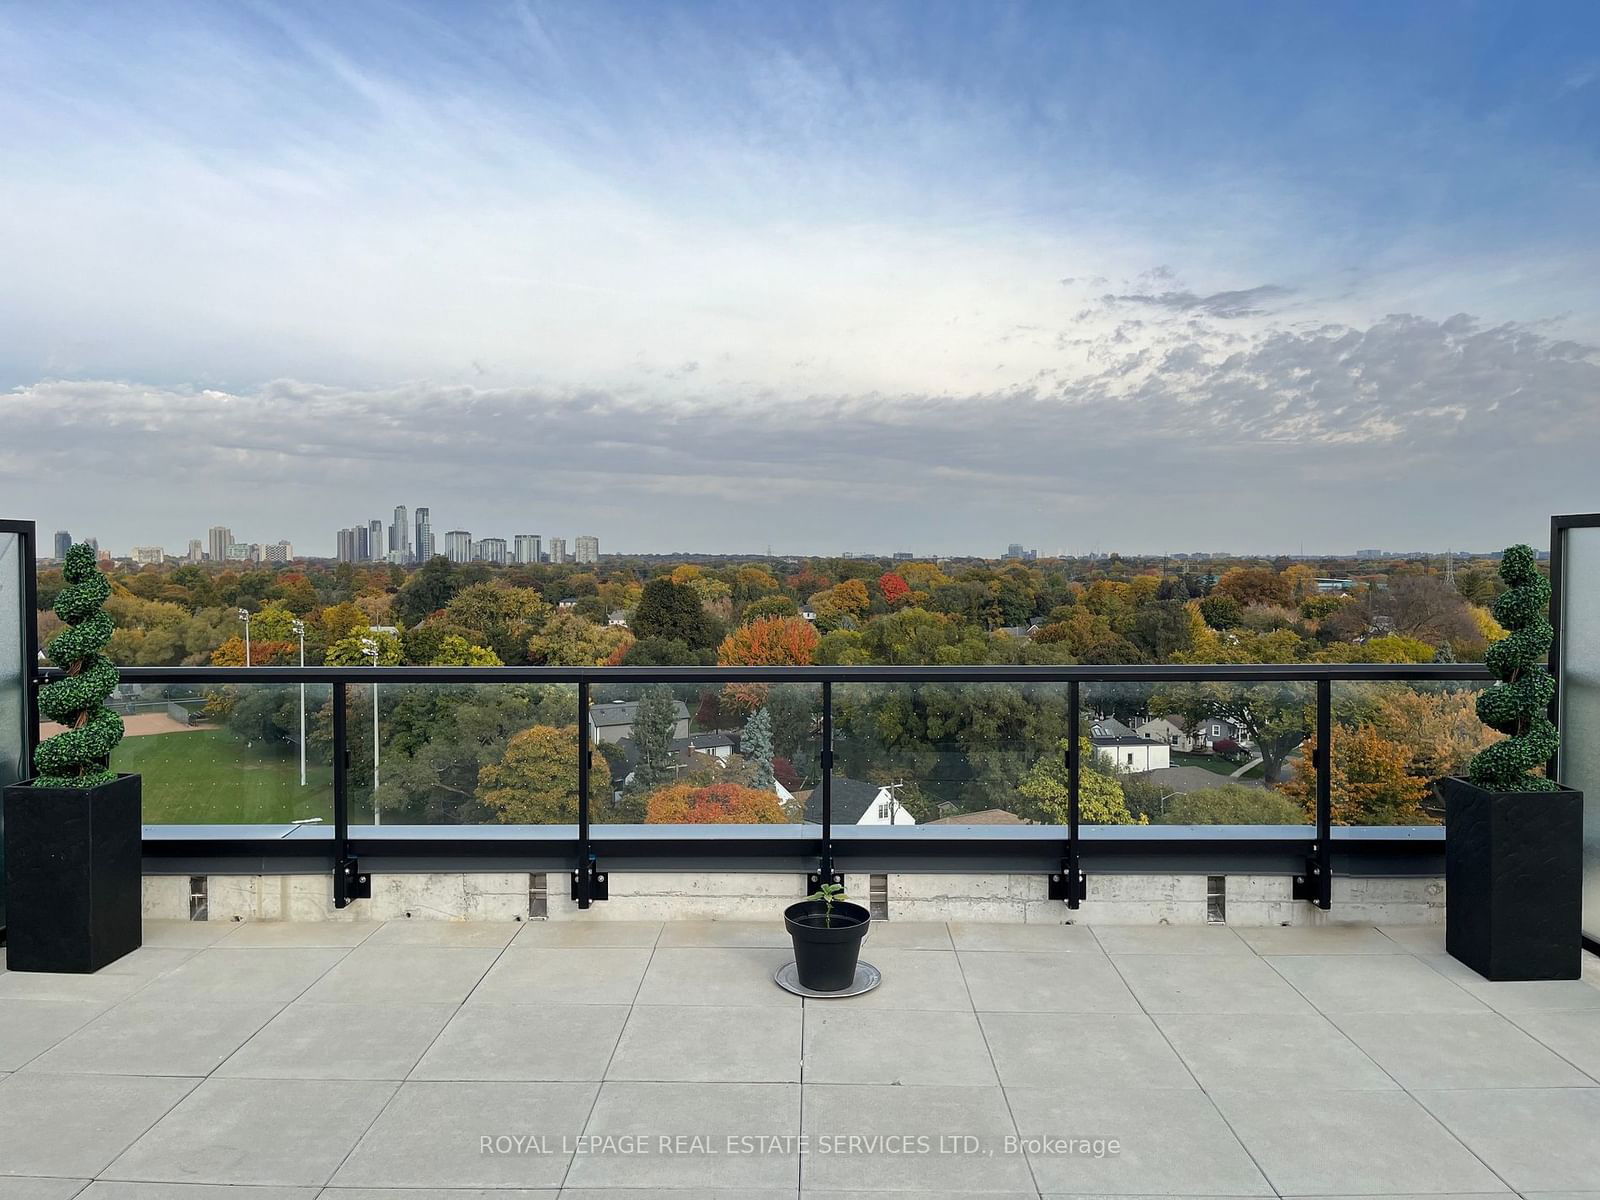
[(358, 1062)]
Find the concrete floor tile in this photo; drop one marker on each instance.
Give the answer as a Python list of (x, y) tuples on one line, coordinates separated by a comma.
[(282, 1132), (1575, 1036), (447, 1194), (578, 934), (1192, 983), (74, 1125), (1520, 996), (1336, 1143), (600, 976), (714, 1112), (415, 974), (1023, 937), (308, 1040), (103, 988), (1319, 939), (836, 1113), (16, 1188), (701, 1043), (725, 933), (246, 976), (527, 1042), (1263, 1051), (846, 1045), (107, 1190), (722, 976), (1418, 939), (1458, 1050), (1169, 1142), (150, 961), (488, 935), (192, 935), (297, 935), (1082, 1050), (432, 1136), (913, 980), (30, 1027), (158, 1037), (908, 935), (1536, 1139), (1169, 939), (679, 1194), (1392, 983), (1005, 981)]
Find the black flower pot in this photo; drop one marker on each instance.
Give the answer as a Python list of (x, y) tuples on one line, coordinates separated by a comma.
[(72, 870), (1513, 864), (826, 947)]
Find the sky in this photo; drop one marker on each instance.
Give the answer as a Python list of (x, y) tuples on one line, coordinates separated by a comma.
[(720, 277)]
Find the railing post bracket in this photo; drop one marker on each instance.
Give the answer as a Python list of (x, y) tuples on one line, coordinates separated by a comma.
[(589, 882), (350, 882)]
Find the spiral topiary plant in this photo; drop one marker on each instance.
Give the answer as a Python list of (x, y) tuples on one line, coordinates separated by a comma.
[(80, 756), (1518, 704)]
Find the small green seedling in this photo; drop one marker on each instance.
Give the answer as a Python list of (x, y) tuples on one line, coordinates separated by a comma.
[(828, 893)]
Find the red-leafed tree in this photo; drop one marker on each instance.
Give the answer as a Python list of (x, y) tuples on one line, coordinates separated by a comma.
[(896, 591), (774, 642)]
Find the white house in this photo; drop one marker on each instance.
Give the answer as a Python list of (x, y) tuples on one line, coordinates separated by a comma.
[(1135, 754), (857, 803), (613, 722)]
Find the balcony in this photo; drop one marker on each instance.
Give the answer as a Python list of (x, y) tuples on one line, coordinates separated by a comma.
[(364, 1059)]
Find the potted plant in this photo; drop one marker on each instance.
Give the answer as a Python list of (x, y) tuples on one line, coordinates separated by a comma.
[(1514, 837), (72, 851), (827, 931)]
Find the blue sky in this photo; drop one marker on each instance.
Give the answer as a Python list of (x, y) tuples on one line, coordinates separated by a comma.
[(718, 276)]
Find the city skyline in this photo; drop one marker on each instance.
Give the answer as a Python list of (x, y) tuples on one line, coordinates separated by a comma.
[(1138, 276)]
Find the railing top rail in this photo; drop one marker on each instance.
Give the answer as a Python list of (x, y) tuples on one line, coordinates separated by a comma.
[(1083, 673)]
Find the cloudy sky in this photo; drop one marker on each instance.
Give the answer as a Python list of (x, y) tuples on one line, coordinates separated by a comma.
[(931, 276)]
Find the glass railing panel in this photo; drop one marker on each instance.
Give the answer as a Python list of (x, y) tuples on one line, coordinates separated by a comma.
[(709, 754), (1197, 753), (464, 754), (950, 754), (1392, 740), (228, 754)]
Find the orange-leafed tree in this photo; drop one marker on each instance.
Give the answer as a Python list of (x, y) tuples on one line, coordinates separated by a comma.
[(718, 804), (1372, 782), (773, 642)]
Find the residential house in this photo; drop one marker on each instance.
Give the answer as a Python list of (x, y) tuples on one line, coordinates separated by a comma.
[(613, 722), (1133, 753), (618, 618), (858, 803), (1171, 729), (1109, 727), (1211, 730)]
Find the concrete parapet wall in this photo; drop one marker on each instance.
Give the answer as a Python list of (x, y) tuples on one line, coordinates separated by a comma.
[(1251, 900)]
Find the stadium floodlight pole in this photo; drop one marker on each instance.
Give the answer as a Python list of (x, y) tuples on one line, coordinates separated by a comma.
[(369, 647), (300, 629), (244, 615)]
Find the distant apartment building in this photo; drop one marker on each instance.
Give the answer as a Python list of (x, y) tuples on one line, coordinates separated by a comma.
[(527, 548), (219, 538), (148, 556), (63, 543), (424, 547), (197, 550), (238, 552), (400, 537), (458, 546), (903, 556), (586, 548), (278, 552), (351, 545), (490, 550), (558, 550), (376, 551)]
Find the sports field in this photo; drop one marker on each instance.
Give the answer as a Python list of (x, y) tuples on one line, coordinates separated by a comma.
[(211, 776)]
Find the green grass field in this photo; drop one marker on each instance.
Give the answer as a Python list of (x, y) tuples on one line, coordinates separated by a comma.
[(212, 777), (1214, 763)]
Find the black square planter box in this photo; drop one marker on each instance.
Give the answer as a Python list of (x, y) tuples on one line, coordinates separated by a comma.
[(73, 888), (1513, 865)]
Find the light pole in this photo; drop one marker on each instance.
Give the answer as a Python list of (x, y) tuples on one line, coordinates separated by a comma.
[(244, 615), (369, 647), (300, 630)]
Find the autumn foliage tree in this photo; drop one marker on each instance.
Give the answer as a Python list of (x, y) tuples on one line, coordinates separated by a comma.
[(536, 780), (718, 804), (896, 591), (773, 642), (1371, 777)]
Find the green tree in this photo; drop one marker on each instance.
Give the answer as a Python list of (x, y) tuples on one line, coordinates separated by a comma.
[(653, 723), (567, 640), (536, 782), (1047, 794), (1232, 804), (432, 587), (351, 651), (674, 611), (456, 651), (756, 747)]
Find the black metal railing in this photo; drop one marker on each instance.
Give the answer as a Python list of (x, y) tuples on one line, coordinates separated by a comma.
[(1065, 853)]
